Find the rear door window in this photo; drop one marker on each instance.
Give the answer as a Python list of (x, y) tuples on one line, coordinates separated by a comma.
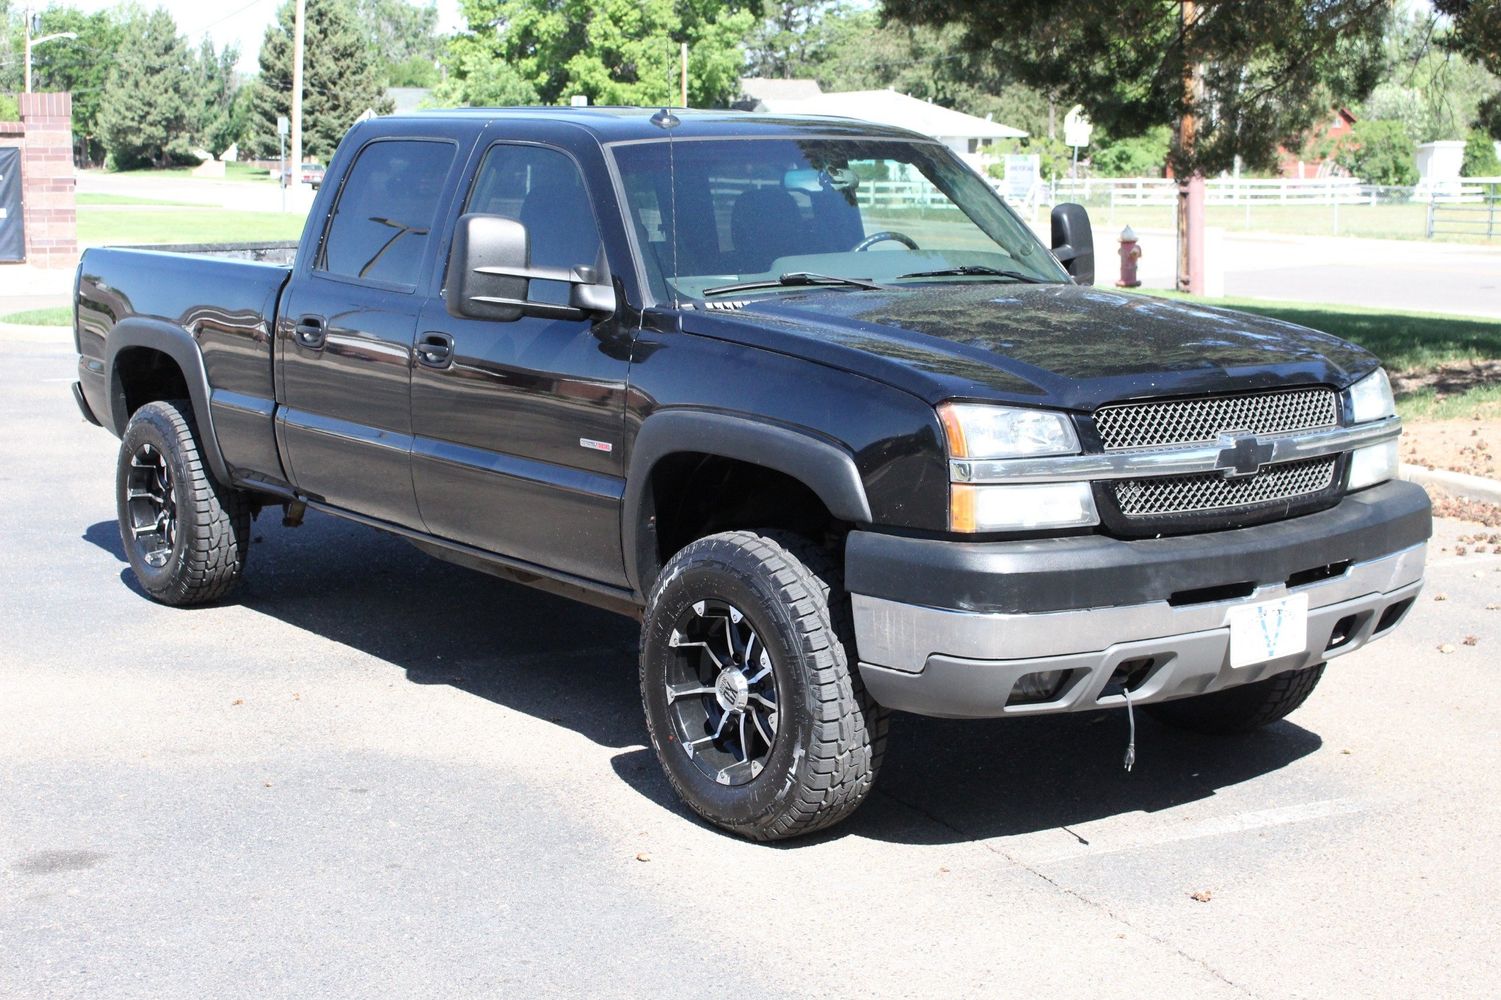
[(386, 211)]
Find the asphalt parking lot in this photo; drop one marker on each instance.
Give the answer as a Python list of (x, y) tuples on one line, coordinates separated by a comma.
[(379, 775)]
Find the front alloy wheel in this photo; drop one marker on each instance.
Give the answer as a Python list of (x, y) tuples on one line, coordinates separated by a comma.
[(753, 701), (721, 692)]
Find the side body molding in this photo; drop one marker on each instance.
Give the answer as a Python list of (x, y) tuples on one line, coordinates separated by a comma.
[(826, 469), (179, 345)]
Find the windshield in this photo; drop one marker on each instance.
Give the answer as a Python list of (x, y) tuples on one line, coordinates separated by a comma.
[(883, 210)]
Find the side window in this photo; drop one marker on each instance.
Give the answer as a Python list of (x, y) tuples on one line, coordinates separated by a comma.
[(385, 211), (540, 188)]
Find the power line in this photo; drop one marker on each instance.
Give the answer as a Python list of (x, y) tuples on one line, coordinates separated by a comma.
[(232, 14)]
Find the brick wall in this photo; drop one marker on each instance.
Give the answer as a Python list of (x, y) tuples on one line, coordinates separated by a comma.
[(45, 136)]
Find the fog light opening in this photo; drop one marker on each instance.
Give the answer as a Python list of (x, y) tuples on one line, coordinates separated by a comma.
[(1129, 675), (1038, 687), (1393, 614), (1344, 631)]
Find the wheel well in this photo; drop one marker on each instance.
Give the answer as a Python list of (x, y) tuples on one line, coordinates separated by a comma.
[(693, 495), (143, 375)]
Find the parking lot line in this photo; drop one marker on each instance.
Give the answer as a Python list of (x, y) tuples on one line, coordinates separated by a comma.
[(1096, 840)]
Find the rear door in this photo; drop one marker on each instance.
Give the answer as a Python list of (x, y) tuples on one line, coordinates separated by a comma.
[(518, 428), (344, 333)]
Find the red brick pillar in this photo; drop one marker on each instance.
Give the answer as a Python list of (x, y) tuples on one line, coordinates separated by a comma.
[(47, 180)]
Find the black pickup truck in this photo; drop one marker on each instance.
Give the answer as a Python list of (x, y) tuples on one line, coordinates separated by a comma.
[(802, 395)]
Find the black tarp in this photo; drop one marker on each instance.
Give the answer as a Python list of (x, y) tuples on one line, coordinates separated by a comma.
[(12, 226)]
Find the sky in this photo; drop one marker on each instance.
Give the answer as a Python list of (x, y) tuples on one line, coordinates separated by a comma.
[(242, 22)]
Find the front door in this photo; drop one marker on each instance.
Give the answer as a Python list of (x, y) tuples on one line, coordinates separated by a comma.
[(345, 333), (517, 427)]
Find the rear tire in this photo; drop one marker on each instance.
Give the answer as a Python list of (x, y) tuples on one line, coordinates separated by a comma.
[(1241, 709), (755, 708), (185, 534)]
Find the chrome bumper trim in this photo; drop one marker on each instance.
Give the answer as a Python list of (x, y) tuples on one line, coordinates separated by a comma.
[(903, 637)]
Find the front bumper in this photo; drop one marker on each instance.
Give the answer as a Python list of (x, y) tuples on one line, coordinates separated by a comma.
[(1152, 612)]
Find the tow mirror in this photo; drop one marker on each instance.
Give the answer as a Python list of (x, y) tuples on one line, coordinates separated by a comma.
[(490, 276), (1073, 242)]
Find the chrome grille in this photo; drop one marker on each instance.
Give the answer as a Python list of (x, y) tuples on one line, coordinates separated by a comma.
[(1214, 491), (1197, 421)]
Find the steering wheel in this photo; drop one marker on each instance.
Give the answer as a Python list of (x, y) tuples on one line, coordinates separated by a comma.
[(882, 237)]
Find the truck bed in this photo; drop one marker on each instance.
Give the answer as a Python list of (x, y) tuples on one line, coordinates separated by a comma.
[(216, 304)]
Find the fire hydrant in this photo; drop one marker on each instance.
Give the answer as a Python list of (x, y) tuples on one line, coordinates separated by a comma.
[(1130, 254)]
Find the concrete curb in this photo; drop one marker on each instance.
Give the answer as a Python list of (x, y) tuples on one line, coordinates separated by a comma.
[(1454, 483)]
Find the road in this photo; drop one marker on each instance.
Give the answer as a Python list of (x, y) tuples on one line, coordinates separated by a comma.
[(1406, 275), (376, 774)]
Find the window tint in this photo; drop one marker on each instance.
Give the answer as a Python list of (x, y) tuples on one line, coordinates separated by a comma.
[(381, 223), (540, 188)]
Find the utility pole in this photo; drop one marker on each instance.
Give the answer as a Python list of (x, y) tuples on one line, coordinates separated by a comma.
[(1190, 188), (298, 31), (683, 75)]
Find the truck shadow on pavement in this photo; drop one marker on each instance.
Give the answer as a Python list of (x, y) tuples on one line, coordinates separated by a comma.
[(943, 781)]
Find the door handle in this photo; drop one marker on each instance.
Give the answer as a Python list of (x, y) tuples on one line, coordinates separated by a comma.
[(435, 350), (309, 332)]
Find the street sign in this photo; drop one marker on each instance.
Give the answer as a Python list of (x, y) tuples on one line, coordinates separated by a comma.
[(1077, 127), (283, 126)]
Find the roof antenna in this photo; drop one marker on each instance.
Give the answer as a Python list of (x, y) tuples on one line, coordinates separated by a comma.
[(668, 121)]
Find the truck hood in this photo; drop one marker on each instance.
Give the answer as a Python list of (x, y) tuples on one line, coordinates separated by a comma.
[(1065, 346)]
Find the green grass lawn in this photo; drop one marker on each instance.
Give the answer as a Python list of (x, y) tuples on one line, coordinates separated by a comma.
[(125, 199), (55, 316), (102, 224)]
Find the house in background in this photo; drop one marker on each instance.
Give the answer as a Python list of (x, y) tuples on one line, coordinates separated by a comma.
[(1308, 161), (965, 134)]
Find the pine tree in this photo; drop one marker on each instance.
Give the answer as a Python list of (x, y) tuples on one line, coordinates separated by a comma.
[(341, 80), (146, 117)]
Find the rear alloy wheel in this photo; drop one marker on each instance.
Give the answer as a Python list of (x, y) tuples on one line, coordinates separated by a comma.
[(754, 704), (185, 534)]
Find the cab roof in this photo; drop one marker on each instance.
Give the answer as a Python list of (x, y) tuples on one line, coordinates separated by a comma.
[(622, 124)]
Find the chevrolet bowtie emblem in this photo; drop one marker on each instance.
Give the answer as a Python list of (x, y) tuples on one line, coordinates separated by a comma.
[(1243, 456)]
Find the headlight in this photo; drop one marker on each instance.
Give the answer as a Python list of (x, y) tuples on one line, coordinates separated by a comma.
[(980, 431), (1371, 398), (1373, 464), (1022, 507)]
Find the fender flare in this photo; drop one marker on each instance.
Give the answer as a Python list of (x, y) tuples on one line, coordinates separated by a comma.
[(177, 344), (825, 468)]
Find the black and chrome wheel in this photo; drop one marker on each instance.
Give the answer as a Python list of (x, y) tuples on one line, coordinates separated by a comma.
[(721, 692), (151, 507), (754, 705), (185, 534)]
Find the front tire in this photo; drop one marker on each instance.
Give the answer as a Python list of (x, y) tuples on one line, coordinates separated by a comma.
[(185, 534), (755, 710), (1241, 709)]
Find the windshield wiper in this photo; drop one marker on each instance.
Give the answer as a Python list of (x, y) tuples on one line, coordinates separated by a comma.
[(790, 279), (965, 270)]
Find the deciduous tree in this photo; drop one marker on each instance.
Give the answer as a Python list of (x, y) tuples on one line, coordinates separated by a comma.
[(612, 51), (1269, 69)]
